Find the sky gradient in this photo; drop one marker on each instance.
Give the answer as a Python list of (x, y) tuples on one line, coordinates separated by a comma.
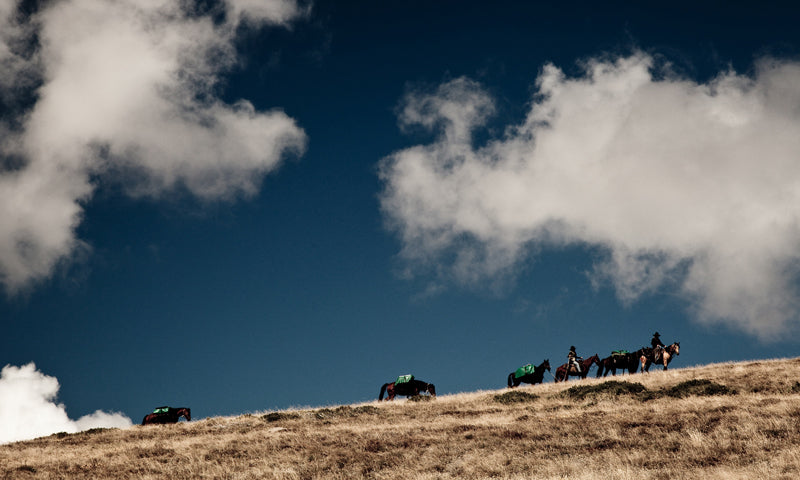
[(241, 206)]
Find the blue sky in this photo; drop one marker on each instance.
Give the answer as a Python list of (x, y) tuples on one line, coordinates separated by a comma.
[(447, 190)]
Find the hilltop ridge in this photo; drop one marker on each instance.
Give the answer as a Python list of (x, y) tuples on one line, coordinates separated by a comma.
[(727, 420)]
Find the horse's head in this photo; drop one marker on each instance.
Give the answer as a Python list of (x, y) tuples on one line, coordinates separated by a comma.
[(676, 348), (594, 359), (431, 389), (186, 412), (546, 364)]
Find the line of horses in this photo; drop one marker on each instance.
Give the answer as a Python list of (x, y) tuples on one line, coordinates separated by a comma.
[(627, 361), (630, 361)]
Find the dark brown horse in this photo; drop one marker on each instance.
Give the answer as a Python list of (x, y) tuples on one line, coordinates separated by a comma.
[(409, 389), (561, 372), (648, 356), (167, 415), (624, 361), (533, 378)]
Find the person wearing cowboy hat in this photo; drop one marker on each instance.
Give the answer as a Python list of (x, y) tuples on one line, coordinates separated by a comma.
[(573, 360), (656, 341)]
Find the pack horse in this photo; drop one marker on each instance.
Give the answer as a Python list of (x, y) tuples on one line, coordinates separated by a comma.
[(619, 359), (528, 374), (163, 415), (406, 385)]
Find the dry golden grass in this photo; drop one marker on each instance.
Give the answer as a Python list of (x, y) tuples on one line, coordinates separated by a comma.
[(733, 420)]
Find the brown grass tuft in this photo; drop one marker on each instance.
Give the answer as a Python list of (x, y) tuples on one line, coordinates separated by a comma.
[(514, 396)]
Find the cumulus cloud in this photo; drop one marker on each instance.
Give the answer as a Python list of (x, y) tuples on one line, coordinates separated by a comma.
[(28, 409), (678, 184), (123, 92)]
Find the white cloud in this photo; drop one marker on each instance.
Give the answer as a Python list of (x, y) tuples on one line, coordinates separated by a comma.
[(125, 92), (28, 409), (694, 186)]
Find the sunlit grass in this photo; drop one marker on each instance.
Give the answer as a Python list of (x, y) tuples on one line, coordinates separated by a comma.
[(730, 420)]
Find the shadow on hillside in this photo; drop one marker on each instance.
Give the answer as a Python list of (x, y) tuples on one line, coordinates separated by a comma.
[(640, 392)]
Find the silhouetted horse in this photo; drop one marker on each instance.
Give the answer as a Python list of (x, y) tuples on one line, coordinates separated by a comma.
[(533, 378), (167, 415), (409, 389), (625, 361), (663, 356), (561, 372)]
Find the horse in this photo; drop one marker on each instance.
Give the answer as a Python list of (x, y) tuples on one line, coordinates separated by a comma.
[(167, 415), (561, 372), (664, 355), (625, 361), (533, 378), (409, 389)]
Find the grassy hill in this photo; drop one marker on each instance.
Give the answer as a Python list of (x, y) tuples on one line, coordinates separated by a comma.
[(731, 420)]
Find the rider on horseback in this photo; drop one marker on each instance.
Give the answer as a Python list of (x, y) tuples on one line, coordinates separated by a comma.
[(573, 358), (658, 345)]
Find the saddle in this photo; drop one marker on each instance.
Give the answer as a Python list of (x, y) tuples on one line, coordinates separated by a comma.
[(571, 367)]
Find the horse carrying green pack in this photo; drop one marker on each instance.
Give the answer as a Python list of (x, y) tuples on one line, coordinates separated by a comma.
[(167, 415), (528, 374), (406, 385)]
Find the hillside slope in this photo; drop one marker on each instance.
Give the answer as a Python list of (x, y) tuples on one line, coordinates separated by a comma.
[(731, 420)]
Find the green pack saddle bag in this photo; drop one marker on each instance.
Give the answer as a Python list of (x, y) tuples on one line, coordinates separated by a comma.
[(524, 370), (403, 379)]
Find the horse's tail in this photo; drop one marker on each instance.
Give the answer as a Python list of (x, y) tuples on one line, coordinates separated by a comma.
[(511, 380), (600, 366), (144, 420), (383, 390)]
